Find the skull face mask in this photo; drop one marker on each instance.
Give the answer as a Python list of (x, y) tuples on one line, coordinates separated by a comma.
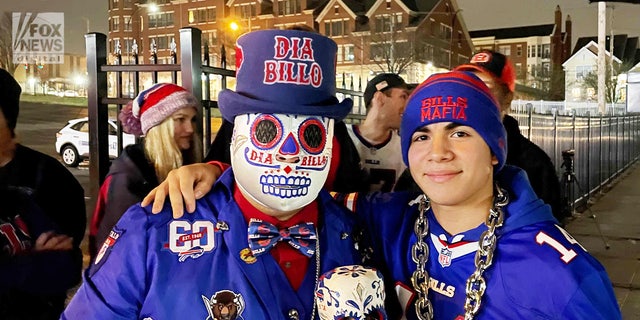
[(281, 161)]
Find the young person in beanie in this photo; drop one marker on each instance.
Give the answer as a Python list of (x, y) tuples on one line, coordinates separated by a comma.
[(260, 239), (376, 138), (42, 222), (478, 242), (164, 114), (498, 74)]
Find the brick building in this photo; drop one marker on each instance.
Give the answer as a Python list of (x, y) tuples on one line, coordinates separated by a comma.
[(412, 37)]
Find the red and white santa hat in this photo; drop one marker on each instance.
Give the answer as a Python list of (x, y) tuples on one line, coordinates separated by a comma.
[(154, 105)]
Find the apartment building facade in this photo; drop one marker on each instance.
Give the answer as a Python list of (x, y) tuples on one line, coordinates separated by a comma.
[(413, 38), (537, 52)]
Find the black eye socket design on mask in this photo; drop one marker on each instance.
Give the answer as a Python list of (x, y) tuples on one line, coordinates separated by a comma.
[(313, 136), (266, 131)]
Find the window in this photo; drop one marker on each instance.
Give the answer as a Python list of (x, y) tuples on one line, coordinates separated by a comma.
[(388, 22), (546, 69), (245, 10), (162, 42), (539, 51), (336, 9), (582, 71), (127, 4), (115, 23), (506, 50), (519, 70), (546, 51), (519, 50), (127, 23), (346, 53), (286, 7), (202, 15), (159, 20), (114, 4), (335, 28), (445, 32), (210, 37), (388, 4)]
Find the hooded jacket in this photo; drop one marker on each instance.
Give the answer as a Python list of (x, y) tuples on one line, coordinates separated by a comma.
[(538, 270)]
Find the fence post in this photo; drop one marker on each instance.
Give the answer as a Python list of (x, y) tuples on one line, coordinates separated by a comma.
[(601, 154), (555, 135), (588, 153), (529, 120), (191, 68), (96, 51)]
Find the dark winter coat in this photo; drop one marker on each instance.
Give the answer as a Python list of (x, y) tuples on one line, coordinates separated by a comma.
[(130, 178), (523, 153), (38, 194)]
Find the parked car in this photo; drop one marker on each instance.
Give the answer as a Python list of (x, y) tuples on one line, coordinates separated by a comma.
[(71, 93), (72, 141)]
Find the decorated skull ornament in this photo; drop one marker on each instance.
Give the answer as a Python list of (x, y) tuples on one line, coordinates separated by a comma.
[(351, 293)]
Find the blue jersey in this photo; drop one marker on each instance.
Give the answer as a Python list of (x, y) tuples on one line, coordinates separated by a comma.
[(200, 267), (539, 271)]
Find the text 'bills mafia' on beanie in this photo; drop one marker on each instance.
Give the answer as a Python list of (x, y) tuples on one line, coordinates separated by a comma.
[(496, 63), (154, 105), (9, 98), (286, 72), (458, 97), (382, 82)]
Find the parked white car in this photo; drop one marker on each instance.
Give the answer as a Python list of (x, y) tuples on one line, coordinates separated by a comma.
[(72, 141)]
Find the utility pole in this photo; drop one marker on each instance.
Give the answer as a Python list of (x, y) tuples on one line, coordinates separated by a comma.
[(602, 13)]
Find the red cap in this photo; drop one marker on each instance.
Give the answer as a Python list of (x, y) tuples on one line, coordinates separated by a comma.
[(495, 63)]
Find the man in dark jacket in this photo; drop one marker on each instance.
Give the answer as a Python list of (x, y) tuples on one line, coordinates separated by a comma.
[(496, 71), (60, 197)]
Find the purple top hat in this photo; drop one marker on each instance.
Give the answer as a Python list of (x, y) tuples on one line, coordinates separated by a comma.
[(284, 71)]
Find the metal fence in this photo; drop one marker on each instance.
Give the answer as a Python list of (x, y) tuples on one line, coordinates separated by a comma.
[(604, 145)]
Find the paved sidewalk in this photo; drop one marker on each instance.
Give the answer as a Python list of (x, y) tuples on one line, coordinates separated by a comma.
[(617, 212)]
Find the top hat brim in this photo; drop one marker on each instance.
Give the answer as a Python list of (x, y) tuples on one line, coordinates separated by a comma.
[(232, 104)]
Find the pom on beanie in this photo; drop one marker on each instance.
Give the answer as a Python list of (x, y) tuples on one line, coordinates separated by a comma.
[(154, 105), (458, 97)]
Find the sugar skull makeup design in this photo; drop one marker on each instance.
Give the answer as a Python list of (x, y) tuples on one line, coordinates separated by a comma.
[(351, 293), (290, 153)]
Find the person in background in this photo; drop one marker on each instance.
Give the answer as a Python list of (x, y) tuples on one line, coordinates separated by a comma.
[(498, 74), (262, 237), (44, 181), (165, 114), (376, 138)]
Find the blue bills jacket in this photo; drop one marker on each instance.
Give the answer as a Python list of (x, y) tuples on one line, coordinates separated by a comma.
[(539, 271), (200, 267)]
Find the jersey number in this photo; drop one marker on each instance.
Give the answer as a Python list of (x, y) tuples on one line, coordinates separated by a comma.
[(566, 254)]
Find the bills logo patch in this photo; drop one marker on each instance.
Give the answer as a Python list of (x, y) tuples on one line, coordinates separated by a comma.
[(106, 248), (191, 239), (445, 257)]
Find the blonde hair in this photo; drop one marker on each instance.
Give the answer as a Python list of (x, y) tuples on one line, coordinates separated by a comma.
[(161, 149)]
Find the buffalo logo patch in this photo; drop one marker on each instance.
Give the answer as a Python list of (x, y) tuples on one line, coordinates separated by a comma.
[(224, 304)]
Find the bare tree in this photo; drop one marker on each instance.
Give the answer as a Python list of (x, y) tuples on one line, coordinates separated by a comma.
[(6, 46), (590, 80)]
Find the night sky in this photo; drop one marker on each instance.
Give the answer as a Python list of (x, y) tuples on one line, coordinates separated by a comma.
[(498, 14)]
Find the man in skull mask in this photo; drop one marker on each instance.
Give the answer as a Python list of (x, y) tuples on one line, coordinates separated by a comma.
[(283, 111)]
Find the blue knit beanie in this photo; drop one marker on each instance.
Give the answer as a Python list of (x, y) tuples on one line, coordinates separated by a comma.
[(458, 97)]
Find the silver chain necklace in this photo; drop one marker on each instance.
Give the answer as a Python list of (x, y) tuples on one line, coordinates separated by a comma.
[(476, 284)]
